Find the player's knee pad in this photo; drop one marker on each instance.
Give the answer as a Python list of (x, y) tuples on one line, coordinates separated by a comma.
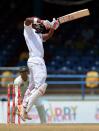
[(39, 91), (42, 88)]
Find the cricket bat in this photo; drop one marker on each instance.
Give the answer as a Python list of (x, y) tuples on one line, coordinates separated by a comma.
[(73, 16)]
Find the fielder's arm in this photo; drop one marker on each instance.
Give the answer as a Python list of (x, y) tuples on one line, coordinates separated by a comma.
[(16, 95), (16, 85)]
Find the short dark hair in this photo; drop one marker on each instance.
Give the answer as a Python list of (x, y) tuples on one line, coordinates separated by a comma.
[(23, 69)]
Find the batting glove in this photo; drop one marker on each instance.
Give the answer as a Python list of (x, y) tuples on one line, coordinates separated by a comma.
[(47, 24), (55, 24)]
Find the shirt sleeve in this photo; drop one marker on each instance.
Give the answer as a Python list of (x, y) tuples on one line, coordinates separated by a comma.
[(29, 30), (27, 27)]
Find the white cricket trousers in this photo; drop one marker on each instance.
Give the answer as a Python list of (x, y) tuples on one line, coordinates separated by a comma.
[(38, 75), (37, 70)]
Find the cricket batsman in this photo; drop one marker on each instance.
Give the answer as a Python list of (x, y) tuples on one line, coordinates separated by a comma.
[(36, 31)]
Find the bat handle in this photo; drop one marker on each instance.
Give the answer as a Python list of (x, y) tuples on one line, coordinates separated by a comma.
[(58, 21)]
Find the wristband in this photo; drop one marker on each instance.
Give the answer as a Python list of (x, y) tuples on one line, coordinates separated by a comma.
[(35, 20)]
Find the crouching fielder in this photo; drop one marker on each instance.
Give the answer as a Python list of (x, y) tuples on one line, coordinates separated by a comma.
[(34, 37), (22, 81)]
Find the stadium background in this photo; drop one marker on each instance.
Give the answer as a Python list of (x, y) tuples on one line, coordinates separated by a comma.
[(74, 46), (69, 55)]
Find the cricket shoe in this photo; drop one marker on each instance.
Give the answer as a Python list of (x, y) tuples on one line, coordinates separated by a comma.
[(26, 116)]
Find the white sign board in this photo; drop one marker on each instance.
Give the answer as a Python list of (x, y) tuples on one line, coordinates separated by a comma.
[(61, 112), (72, 112)]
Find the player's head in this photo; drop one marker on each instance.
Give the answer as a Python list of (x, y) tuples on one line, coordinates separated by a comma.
[(40, 28), (23, 72), (38, 25)]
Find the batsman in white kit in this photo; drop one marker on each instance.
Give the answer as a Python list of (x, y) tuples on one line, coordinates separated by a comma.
[(35, 36)]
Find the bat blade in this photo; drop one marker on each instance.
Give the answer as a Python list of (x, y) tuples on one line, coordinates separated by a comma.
[(73, 16)]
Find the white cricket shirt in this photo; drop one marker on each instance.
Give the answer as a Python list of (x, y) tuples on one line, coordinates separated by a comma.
[(34, 42)]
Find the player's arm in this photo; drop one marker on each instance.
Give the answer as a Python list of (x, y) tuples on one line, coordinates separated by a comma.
[(32, 20), (16, 94), (48, 35), (53, 26), (16, 85)]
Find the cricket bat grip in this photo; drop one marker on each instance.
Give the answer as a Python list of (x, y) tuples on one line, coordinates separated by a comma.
[(55, 24)]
